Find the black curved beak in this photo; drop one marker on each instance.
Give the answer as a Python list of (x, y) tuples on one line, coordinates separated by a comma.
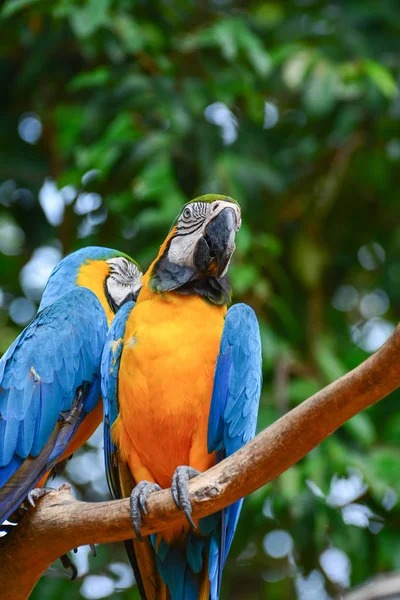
[(214, 250)]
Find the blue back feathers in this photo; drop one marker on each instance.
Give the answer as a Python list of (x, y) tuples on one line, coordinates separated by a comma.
[(50, 379)]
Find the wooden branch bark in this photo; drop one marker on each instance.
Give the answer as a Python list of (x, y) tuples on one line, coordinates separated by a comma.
[(61, 523), (383, 587)]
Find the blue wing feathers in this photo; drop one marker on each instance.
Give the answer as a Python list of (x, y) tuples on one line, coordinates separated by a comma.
[(8, 436), (41, 371), (233, 415), (220, 393), (93, 394), (26, 434)]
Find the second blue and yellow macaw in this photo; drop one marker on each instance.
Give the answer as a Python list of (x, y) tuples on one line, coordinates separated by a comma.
[(181, 381), (50, 376)]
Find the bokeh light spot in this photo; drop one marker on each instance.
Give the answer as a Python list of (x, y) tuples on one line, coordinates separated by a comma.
[(90, 176), (311, 587), (52, 202), (374, 304), (124, 573), (219, 114), (22, 310), (278, 543), (345, 298), (371, 256), (87, 202), (97, 586), (337, 566), (34, 275), (271, 115), (346, 489), (30, 128), (12, 237)]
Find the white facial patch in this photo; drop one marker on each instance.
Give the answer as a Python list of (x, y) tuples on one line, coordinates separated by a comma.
[(124, 279), (192, 228), (181, 250)]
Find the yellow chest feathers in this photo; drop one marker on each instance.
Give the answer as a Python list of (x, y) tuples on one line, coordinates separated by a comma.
[(172, 341), (166, 377)]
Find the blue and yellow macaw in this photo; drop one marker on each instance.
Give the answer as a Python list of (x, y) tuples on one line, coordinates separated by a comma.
[(181, 381), (50, 376)]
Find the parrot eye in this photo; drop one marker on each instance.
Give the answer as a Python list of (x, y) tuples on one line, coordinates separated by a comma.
[(187, 213)]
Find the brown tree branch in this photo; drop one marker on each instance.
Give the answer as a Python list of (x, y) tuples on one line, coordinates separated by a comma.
[(383, 587), (61, 523)]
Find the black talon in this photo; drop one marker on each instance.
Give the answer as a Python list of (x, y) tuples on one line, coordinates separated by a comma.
[(180, 490), (93, 549), (68, 564), (138, 502), (6, 528)]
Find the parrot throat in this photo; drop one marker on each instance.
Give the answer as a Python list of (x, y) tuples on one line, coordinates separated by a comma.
[(166, 276)]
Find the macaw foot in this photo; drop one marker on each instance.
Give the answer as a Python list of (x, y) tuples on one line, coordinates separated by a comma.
[(37, 493), (180, 490), (139, 497), (68, 564)]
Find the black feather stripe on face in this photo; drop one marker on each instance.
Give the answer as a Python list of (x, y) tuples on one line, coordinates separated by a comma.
[(194, 220)]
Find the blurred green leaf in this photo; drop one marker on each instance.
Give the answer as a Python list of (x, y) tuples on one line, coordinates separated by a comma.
[(329, 363), (386, 463), (12, 6), (322, 90), (301, 389), (243, 277), (309, 260), (381, 77), (362, 429), (290, 483), (98, 77), (86, 20)]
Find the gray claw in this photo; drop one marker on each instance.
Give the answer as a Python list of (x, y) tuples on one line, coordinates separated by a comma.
[(180, 490), (139, 497), (36, 494)]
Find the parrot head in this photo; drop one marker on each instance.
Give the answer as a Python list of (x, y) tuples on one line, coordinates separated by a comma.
[(198, 248), (122, 281), (113, 276)]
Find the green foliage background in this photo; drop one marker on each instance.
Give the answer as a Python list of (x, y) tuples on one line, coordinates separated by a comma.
[(306, 137)]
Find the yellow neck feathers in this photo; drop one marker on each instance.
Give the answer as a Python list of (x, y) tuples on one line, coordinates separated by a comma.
[(92, 275)]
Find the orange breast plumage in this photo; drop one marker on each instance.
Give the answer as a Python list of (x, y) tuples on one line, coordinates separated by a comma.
[(165, 385)]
